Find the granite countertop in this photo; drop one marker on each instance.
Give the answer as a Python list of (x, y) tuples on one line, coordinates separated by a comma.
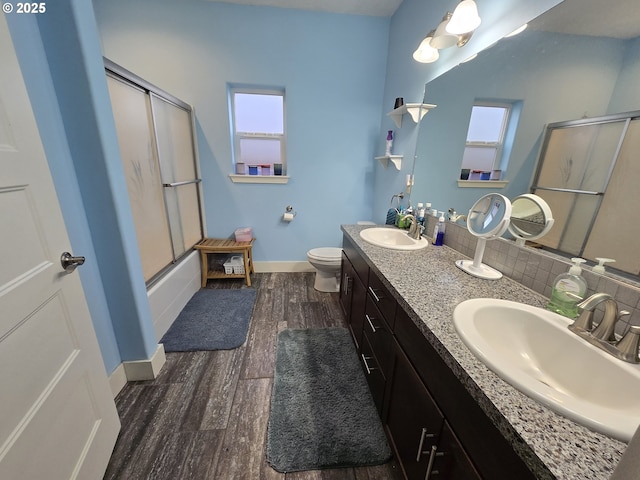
[(428, 286)]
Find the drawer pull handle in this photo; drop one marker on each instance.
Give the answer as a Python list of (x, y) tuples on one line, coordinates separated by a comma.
[(366, 364), (432, 458), (423, 436), (376, 297), (346, 284), (373, 328)]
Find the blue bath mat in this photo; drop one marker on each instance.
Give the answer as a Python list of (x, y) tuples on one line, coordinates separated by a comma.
[(214, 319)]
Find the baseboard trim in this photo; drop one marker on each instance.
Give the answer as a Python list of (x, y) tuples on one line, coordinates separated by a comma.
[(117, 380), (272, 267), (145, 369)]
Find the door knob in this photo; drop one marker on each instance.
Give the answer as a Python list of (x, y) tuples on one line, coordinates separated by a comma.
[(69, 262)]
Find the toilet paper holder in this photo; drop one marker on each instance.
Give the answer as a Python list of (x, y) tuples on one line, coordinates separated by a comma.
[(289, 209), (288, 214)]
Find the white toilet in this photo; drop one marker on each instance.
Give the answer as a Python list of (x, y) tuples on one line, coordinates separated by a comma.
[(326, 261)]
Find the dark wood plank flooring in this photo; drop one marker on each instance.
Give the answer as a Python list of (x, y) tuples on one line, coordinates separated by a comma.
[(205, 416)]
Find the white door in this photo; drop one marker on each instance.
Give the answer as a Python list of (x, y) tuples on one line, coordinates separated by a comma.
[(57, 415)]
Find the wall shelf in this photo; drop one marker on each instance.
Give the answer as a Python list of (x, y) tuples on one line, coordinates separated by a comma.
[(395, 159), (482, 183), (415, 110)]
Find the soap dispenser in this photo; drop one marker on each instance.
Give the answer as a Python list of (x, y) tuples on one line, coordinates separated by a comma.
[(568, 290), (600, 267)]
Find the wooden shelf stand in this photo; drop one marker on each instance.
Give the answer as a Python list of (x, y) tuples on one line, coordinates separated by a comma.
[(210, 246)]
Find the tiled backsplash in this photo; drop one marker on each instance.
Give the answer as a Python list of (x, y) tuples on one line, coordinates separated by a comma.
[(538, 269)]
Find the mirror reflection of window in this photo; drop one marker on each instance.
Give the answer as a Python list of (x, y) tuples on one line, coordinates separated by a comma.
[(485, 139)]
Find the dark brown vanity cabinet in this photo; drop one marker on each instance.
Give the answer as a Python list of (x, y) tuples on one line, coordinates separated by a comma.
[(433, 424)]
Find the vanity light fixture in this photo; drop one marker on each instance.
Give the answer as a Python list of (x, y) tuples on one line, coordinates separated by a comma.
[(442, 38), (425, 53), (465, 18)]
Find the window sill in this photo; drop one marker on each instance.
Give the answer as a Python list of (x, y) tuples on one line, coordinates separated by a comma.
[(259, 178), (482, 183)]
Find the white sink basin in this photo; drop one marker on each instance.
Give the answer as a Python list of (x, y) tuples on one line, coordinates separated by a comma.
[(393, 238), (532, 349)]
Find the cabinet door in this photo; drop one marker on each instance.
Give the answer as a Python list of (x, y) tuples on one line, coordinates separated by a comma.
[(413, 421), (346, 288), (356, 318), (353, 296)]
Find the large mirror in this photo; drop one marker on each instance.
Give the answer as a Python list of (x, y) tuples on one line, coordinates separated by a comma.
[(579, 59)]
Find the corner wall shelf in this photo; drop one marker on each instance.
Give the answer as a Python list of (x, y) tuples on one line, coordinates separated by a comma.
[(415, 110), (395, 159)]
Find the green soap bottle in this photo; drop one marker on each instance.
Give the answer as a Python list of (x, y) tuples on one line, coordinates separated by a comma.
[(568, 283)]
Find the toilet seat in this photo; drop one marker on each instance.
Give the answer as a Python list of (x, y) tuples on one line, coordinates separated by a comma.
[(325, 254)]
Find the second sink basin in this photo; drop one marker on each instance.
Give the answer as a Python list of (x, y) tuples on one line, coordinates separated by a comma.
[(532, 349), (392, 238)]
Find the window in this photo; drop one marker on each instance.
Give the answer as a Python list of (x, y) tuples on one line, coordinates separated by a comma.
[(483, 159), (258, 132)]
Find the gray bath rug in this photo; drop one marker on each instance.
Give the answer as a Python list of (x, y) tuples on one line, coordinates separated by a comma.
[(322, 413), (214, 319)]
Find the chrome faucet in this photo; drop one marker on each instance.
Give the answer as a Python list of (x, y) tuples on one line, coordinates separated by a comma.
[(605, 330), (415, 230), (603, 335), (454, 217)]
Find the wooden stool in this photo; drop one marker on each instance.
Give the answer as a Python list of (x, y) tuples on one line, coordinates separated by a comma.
[(224, 245)]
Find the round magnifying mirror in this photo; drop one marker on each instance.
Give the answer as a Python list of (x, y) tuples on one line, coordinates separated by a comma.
[(487, 219), (531, 218)]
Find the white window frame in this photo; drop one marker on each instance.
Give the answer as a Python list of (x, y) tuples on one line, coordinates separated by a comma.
[(498, 160), (237, 137)]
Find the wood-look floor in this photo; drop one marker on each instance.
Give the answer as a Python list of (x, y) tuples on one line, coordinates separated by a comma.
[(205, 416)]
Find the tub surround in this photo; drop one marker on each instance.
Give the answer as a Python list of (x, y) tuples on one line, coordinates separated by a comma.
[(428, 286)]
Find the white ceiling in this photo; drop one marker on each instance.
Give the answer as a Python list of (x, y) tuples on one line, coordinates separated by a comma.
[(606, 18), (377, 8)]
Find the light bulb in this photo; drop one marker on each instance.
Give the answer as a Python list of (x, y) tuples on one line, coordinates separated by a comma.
[(425, 53), (465, 18)]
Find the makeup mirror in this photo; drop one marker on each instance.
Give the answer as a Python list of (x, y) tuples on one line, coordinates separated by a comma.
[(487, 219), (531, 218)]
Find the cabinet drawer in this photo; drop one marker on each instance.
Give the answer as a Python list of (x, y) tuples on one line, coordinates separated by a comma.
[(359, 264), (379, 336), (382, 299), (373, 373)]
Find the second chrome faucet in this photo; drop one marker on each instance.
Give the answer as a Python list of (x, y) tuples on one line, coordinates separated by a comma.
[(603, 335)]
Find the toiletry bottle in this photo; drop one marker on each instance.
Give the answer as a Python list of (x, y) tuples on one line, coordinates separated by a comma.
[(568, 289), (420, 214), (438, 231), (389, 143)]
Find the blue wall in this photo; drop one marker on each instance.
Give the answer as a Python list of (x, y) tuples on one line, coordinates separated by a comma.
[(333, 69)]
